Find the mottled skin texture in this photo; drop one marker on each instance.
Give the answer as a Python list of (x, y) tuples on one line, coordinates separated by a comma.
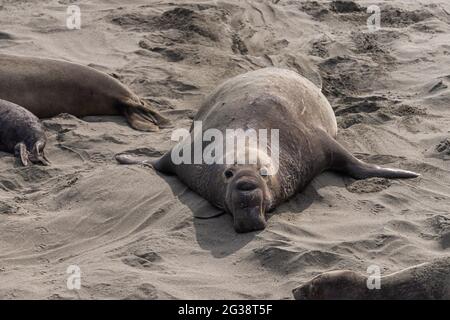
[(48, 87), (22, 133), (268, 98), (426, 281)]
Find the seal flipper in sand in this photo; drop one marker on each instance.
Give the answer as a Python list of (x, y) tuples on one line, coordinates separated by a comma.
[(341, 160), (425, 281), (147, 158), (21, 152), (37, 155), (143, 117)]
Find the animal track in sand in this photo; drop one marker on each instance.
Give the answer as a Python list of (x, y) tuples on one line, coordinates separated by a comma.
[(144, 291), (290, 259), (143, 259), (439, 230), (5, 208), (188, 22), (8, 185), (444, 147), (320, 46), (350, 11), (441, 150), (314, 9), (340, 6), (365, 106), (369, 185), (399, 18), (351, 110), (172, 55)]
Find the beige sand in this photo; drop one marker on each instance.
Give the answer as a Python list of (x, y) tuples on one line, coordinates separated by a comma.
[(131, 230)]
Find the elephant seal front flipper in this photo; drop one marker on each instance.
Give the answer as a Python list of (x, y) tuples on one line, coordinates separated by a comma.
[(162, 164), (21, 152)]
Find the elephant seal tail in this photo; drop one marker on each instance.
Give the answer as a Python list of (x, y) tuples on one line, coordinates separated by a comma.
[(142, 116)]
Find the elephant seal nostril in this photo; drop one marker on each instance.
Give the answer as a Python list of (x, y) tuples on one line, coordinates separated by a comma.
[(246, 185)]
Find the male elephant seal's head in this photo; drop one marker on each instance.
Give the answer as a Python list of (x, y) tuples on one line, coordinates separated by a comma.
[(249, 193)]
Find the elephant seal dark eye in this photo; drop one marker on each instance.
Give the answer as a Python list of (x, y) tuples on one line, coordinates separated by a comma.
[(264, 172), (228, 173)]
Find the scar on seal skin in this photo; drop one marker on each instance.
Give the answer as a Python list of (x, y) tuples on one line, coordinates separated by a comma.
[(425, 281), (266, 99), (22, 133)]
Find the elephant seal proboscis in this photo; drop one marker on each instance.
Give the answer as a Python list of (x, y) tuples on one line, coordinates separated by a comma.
[(22, 133), (270, 99), (426, 281), (48, 87)]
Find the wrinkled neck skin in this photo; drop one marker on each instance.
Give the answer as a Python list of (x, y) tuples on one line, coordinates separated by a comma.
[(302, 157), (205, 180)]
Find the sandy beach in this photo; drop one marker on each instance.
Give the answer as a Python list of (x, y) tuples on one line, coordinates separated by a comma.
[(132, 232)]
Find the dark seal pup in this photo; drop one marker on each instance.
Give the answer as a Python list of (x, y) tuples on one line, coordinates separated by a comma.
[(48, 87), (426, 281), (269, 98), (22, 133)]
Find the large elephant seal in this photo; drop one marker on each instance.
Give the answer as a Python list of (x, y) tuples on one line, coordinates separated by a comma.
[(425, 281), (269, 99), (48, 87), (22, 133)]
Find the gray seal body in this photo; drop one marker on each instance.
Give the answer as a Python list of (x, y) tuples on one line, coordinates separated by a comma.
[(22, 133)]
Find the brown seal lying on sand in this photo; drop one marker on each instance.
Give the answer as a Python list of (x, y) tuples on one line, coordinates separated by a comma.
[(268, 98), (22, 133), (425, 281), (48, 87)]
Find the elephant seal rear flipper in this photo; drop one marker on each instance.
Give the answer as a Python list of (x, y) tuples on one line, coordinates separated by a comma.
[(341, 160), (143, 117)]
